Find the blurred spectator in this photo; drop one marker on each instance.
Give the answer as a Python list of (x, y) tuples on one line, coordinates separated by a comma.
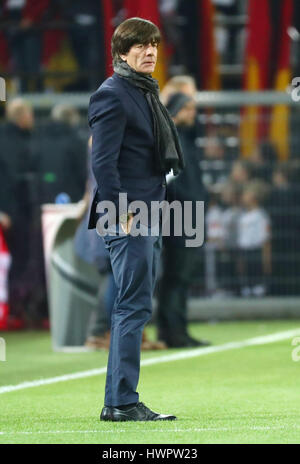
[(228, 267), (61, 157), (90, 248), (86, 35), (183, 84), (226, 36), (23, 20), (264, 159), (283, 207), (169, 19), (214, 165), (179, 260), (18, 166), (254, 240), (213, 243), (5, 196), (187, 28), (241, 172), (66, 113)]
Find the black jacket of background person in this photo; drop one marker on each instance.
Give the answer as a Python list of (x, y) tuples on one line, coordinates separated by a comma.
[(187, 186), (6, 191), (123, 146), (61, 162), (17, 166)]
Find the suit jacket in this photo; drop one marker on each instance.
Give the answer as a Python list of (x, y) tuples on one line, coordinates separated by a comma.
[(123, 146)]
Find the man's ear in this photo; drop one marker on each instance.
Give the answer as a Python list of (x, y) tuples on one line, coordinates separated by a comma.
[(124, 57)]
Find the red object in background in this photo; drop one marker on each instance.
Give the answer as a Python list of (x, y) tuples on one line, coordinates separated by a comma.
[(207, 53), (5, 261), (108, 30), (267, 66), (32, 9), (282, 76), (142, 9), (51, 44), (7, 322), (3, 51), (3, 316), (255, 119), (150, 10), (259, 29)]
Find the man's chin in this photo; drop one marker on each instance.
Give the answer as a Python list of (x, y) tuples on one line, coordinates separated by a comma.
[(148, 69)]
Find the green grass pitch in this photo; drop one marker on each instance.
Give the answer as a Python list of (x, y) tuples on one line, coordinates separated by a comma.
[(244, 395)]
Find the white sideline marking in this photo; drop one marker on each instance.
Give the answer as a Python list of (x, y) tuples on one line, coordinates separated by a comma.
[(198, 429), (183, 354)]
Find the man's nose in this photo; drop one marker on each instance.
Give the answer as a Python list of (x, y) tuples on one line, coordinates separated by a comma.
[(150, 50)]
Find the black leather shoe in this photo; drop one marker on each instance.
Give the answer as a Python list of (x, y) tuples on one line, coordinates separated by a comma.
[(106, 413), (140, 412), (183, 341), (193, 342)]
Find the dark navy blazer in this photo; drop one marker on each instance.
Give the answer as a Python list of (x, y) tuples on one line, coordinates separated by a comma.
[(123, 146)]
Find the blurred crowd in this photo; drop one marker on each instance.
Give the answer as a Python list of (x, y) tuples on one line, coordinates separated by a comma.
[(35, 167), (252, 226), (33, 31), (252, 214), (252, 210)]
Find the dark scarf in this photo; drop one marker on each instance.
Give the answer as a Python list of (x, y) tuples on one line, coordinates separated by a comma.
[(168, 152)]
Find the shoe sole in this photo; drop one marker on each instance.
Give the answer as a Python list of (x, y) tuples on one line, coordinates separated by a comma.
[(124, 419)]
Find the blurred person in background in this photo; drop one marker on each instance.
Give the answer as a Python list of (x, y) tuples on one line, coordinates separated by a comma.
[(18, 171), (264, 159), (228, 269), (90, 248), (283, 207), (62, 162), (214, 165), (85, 29), (181, 83), (241, 172), (23, 21), (5, 196), (67, 114), (179, 260), (254, 240), (214, 234), (227, 37), (172, 37)]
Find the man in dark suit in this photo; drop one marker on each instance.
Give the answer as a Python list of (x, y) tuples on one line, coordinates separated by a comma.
[(135, 143)]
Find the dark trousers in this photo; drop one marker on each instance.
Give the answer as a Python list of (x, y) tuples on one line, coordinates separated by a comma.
[(134, 262), (101, 323), (178, 268)]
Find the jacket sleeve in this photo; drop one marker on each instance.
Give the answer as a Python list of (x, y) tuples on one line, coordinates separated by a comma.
[(107, 121)]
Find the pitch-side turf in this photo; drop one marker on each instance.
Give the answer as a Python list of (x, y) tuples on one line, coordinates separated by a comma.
[(243, 390)]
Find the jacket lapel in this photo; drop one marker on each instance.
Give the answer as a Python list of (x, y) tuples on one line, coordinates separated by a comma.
[(139, 99)]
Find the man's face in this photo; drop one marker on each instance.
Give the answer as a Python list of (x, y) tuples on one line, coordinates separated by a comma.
[(142, 58)]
